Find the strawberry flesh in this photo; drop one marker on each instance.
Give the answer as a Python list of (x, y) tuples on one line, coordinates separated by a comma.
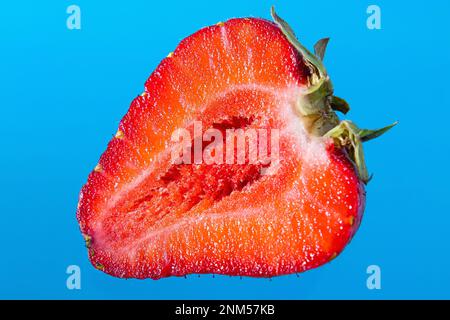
[(145, 217)]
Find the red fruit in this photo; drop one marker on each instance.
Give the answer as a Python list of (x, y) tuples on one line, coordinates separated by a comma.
[(145, 217)]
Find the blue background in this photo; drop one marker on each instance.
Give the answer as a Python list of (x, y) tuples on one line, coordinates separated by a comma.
[(63, 93)]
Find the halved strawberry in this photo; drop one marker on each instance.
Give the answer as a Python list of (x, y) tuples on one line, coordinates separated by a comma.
[(142, 215)]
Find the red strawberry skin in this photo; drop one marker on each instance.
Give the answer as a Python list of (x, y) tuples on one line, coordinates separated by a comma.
[(143, 217)]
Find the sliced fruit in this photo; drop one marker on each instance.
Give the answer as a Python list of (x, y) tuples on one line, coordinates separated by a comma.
[(144, 216)]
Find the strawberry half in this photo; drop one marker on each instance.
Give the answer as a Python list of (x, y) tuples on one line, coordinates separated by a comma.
[(144, 216)]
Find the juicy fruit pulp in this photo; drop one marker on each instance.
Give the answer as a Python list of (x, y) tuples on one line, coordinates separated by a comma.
[(144, 216)]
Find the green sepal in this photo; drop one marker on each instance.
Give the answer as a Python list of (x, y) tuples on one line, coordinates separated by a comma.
[(347, 135), (320, 48), (367, 135), (339, 104), (315, 65)]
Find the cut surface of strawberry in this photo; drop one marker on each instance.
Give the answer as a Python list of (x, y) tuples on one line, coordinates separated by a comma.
[(145, 216)]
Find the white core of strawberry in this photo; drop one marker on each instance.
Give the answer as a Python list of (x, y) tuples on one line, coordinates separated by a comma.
[(310, 147)]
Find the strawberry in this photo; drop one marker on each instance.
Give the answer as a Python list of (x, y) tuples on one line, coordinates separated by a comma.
[(145, 216)]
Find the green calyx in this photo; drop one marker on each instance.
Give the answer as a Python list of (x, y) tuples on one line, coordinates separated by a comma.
[(346, 134), (318, 105)]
